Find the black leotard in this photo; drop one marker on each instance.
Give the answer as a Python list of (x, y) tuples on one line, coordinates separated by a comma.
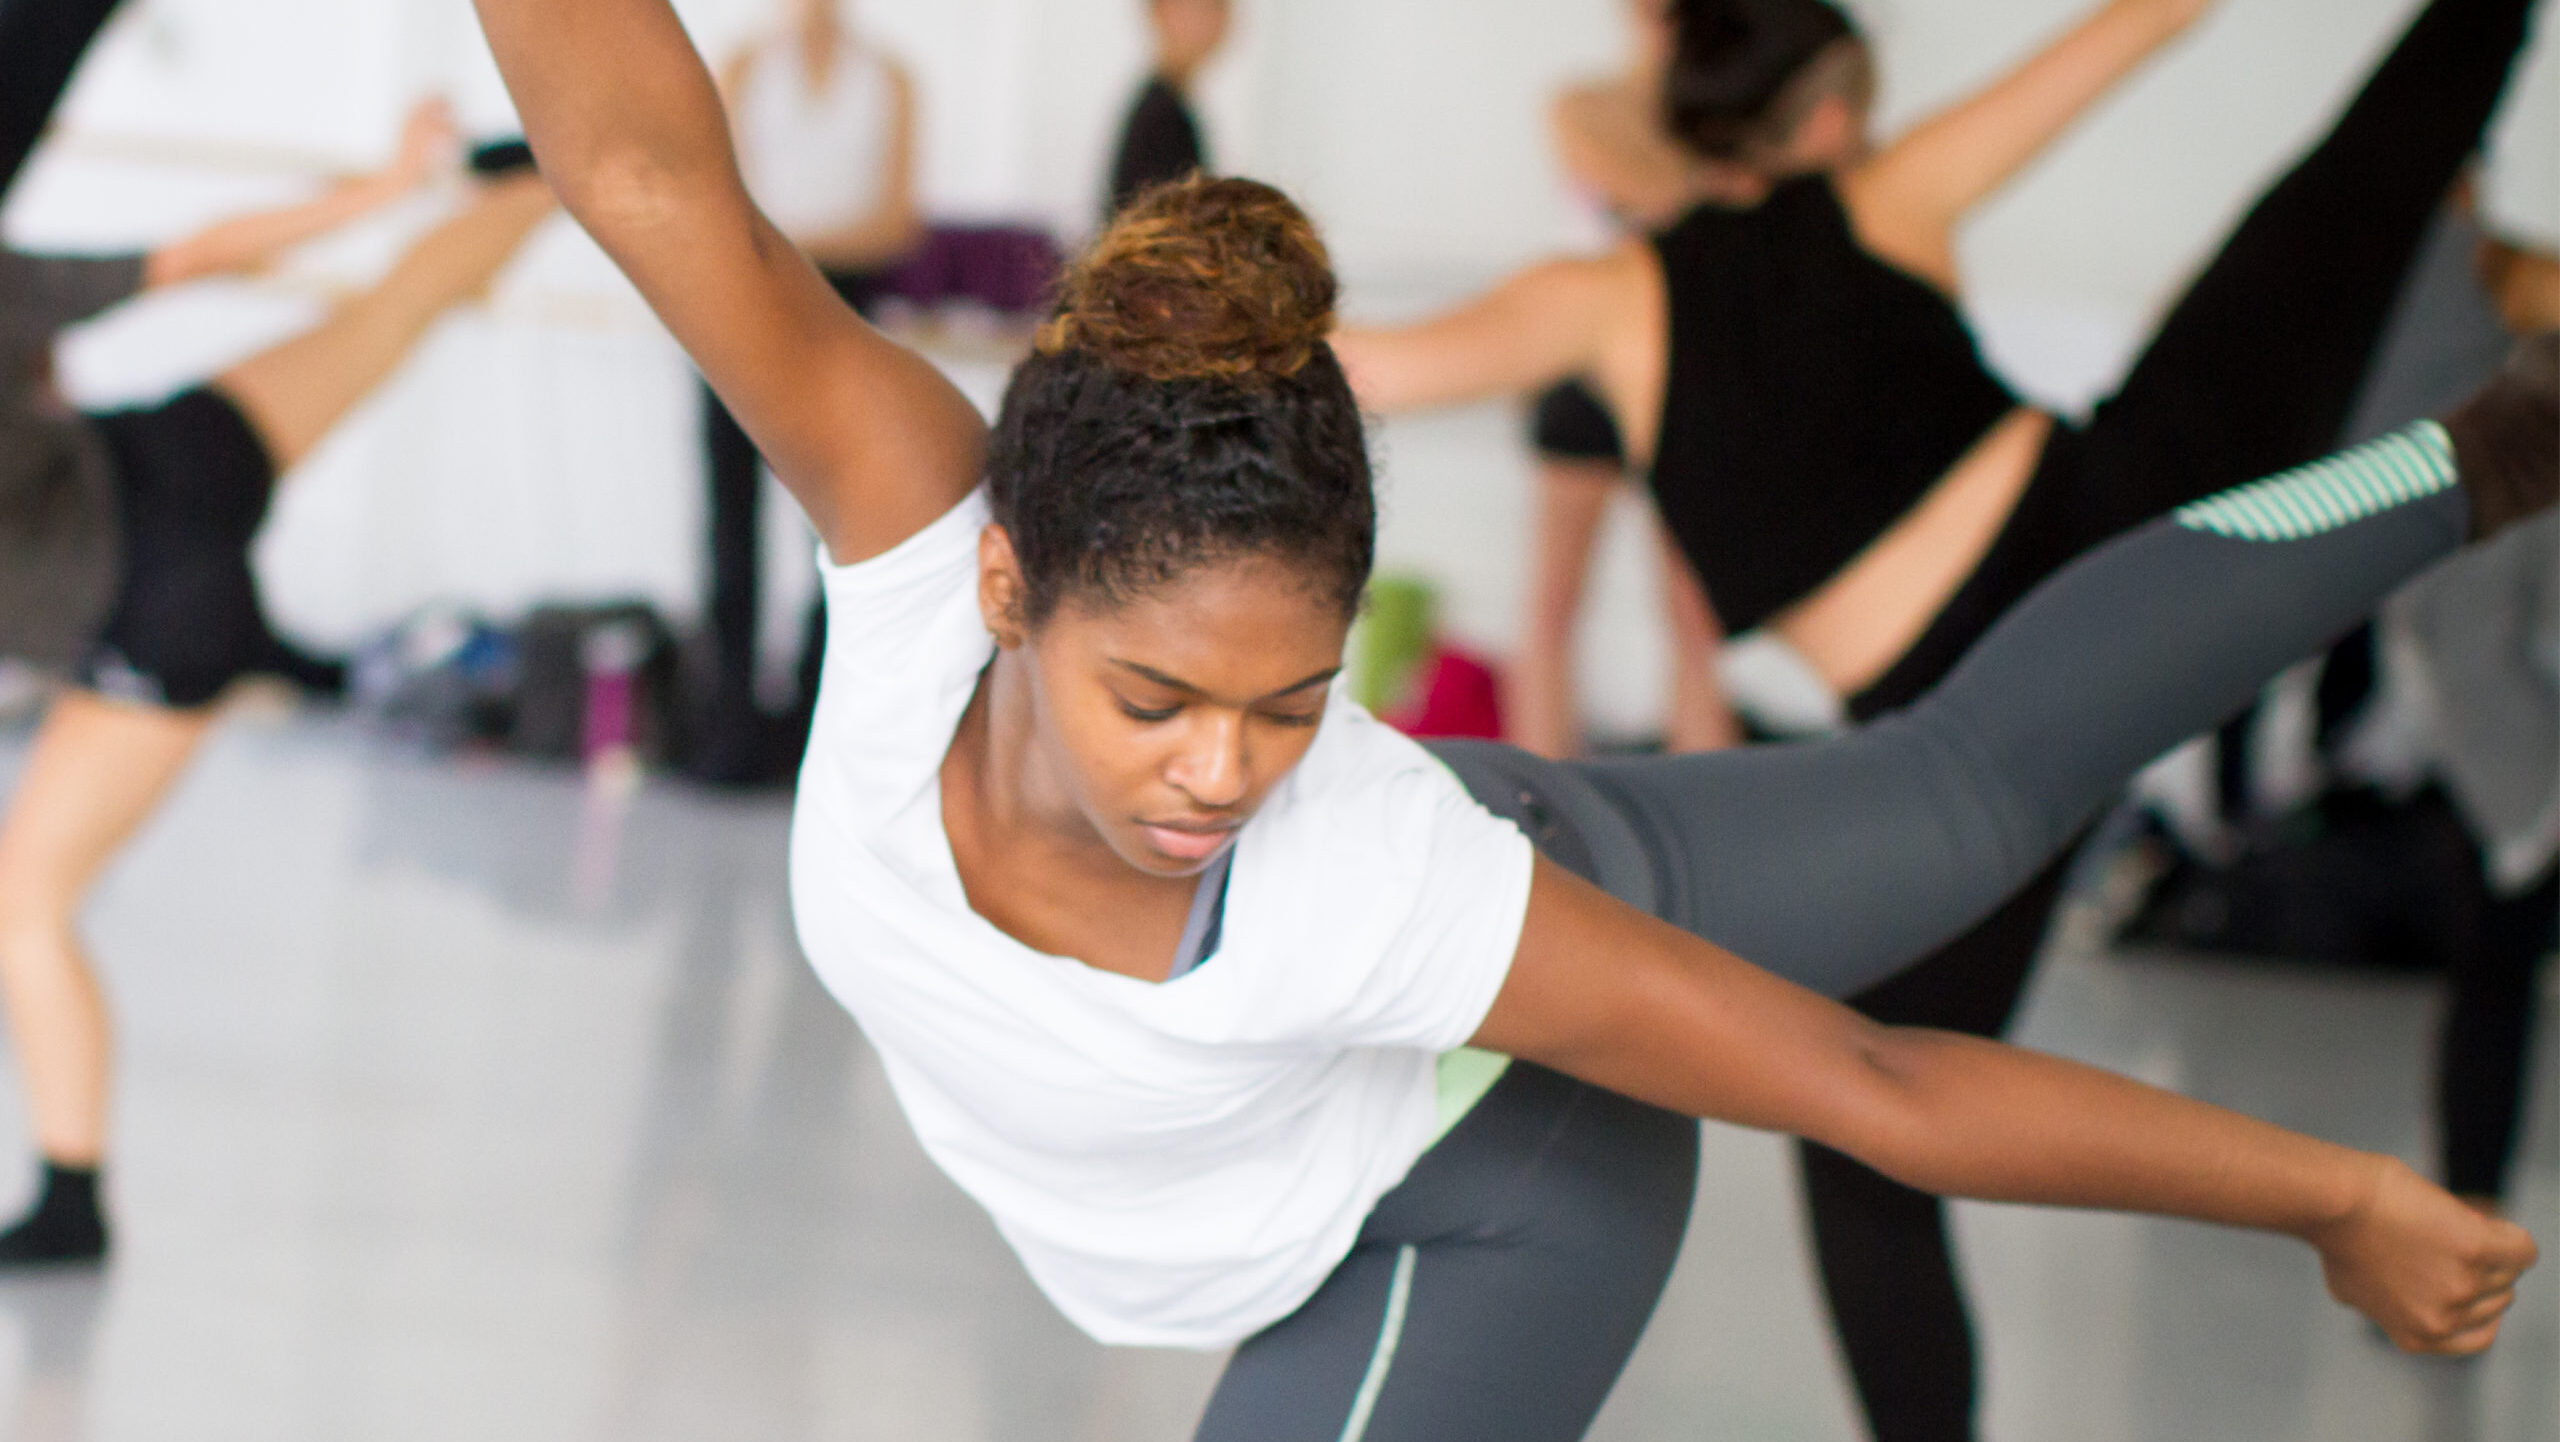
[(1814, 394)]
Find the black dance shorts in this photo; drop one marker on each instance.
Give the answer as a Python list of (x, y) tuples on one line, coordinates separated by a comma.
[(1572, 425), (193, 481)]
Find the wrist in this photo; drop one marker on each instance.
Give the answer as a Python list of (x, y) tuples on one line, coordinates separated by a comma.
[(2347, 1196)]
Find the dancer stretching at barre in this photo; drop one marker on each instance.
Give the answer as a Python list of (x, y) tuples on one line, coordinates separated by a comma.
[(1836, 461), (1170, 951), (124, 562)]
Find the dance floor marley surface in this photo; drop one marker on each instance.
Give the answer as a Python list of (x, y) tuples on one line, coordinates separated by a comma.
[(459, 1102)]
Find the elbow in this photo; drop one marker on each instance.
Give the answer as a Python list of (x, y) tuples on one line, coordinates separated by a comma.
[(624, 191), (1881, 1113)]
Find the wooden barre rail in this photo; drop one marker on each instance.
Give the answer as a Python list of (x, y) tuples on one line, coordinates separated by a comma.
[(233, 157)]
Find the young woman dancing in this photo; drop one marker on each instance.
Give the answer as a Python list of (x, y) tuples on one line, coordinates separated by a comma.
[(1170, 950), (124, 562), (1837, 462)]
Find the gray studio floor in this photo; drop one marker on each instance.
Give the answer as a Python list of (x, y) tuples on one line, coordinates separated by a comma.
[(460, 1104)]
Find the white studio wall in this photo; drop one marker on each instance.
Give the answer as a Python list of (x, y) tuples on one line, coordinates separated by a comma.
[(544, 446)]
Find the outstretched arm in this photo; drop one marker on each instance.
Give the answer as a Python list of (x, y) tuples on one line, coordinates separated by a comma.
[(249, 242), (1601, 991), (1907, 200), (1553, 321), (628, 128)]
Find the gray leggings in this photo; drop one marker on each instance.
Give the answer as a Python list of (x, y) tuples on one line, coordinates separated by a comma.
[(1495, 1294)]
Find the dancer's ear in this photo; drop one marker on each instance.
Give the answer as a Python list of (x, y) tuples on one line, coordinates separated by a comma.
[(1001, 593)]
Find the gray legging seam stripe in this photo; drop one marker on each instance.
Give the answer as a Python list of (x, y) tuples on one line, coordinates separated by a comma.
[(1390, 1333)]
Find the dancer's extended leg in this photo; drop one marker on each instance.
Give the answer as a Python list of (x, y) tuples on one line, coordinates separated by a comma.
[(295, 393), (2257, 365), (1839, 862)]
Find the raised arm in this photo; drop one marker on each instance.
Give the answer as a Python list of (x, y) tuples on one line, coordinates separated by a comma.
[(1602, 992), (249, 242), (629, 130), (1907, 200), (1563, 318)]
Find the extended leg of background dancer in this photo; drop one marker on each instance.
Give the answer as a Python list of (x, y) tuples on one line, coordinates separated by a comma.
[(100, 766)]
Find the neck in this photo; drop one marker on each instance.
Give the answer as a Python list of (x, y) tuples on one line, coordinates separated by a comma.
[(1019, 793), (1179, 75), (819, 37)]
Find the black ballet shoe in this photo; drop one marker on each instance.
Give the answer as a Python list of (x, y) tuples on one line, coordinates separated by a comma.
[(63, 1228), (2506, 438)]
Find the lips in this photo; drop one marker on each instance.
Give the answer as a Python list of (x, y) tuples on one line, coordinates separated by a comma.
[(1188, 843)]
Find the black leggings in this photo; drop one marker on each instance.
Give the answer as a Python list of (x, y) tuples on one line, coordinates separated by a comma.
[(2255, 369), (2485, 1050), (1496, 1293), (41, 42)]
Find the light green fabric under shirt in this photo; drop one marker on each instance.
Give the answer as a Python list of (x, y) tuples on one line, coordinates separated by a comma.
[(1465, 1076)]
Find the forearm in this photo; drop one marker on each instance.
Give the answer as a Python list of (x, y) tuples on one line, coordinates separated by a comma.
[(1961, 1116), (1537, 328), (1940, 169), (249, 242)]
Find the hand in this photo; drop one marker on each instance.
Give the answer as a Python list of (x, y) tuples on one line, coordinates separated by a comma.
[(2433, 1273), (429, 143)]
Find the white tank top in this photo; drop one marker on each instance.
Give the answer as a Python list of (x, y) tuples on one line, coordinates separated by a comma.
[(816, 160)]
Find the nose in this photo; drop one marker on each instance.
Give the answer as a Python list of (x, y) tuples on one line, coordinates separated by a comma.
[(1210, 768)]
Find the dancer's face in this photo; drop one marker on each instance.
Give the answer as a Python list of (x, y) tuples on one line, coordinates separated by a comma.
[(1168, 717)]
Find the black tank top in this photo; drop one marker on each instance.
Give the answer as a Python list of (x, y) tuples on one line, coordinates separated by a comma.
[(1814, 394)]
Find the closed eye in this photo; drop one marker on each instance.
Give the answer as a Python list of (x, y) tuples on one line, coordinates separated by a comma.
[(1149, 716)]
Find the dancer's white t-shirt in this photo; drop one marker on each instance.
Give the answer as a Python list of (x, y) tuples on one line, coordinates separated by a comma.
[(1178, 1164)]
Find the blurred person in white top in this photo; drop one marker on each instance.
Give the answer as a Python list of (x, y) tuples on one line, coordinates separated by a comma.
[(824, 124)]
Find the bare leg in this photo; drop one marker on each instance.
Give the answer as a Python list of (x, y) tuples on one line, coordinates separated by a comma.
[(1699, 718), (98, 770), (1573, 497), (295, 393)]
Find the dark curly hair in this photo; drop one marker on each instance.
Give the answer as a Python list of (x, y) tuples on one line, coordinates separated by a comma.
[(1744, 73), (1181, 409)]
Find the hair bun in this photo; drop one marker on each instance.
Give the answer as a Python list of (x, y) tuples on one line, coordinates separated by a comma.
[(1200, 279), (1732, 61)]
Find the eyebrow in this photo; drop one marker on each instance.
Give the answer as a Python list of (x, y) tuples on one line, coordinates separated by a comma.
[(1176, 683)]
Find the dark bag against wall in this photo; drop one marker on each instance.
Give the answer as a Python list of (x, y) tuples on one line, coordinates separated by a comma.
[(592, 678)]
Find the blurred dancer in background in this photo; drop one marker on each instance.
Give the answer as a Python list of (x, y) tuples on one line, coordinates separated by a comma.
[(825, 125), (124, 565), (1835, 458), (1631, 178), (1161, 139)]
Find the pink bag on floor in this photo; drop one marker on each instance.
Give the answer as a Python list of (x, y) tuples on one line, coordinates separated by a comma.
[(1457, 693)]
